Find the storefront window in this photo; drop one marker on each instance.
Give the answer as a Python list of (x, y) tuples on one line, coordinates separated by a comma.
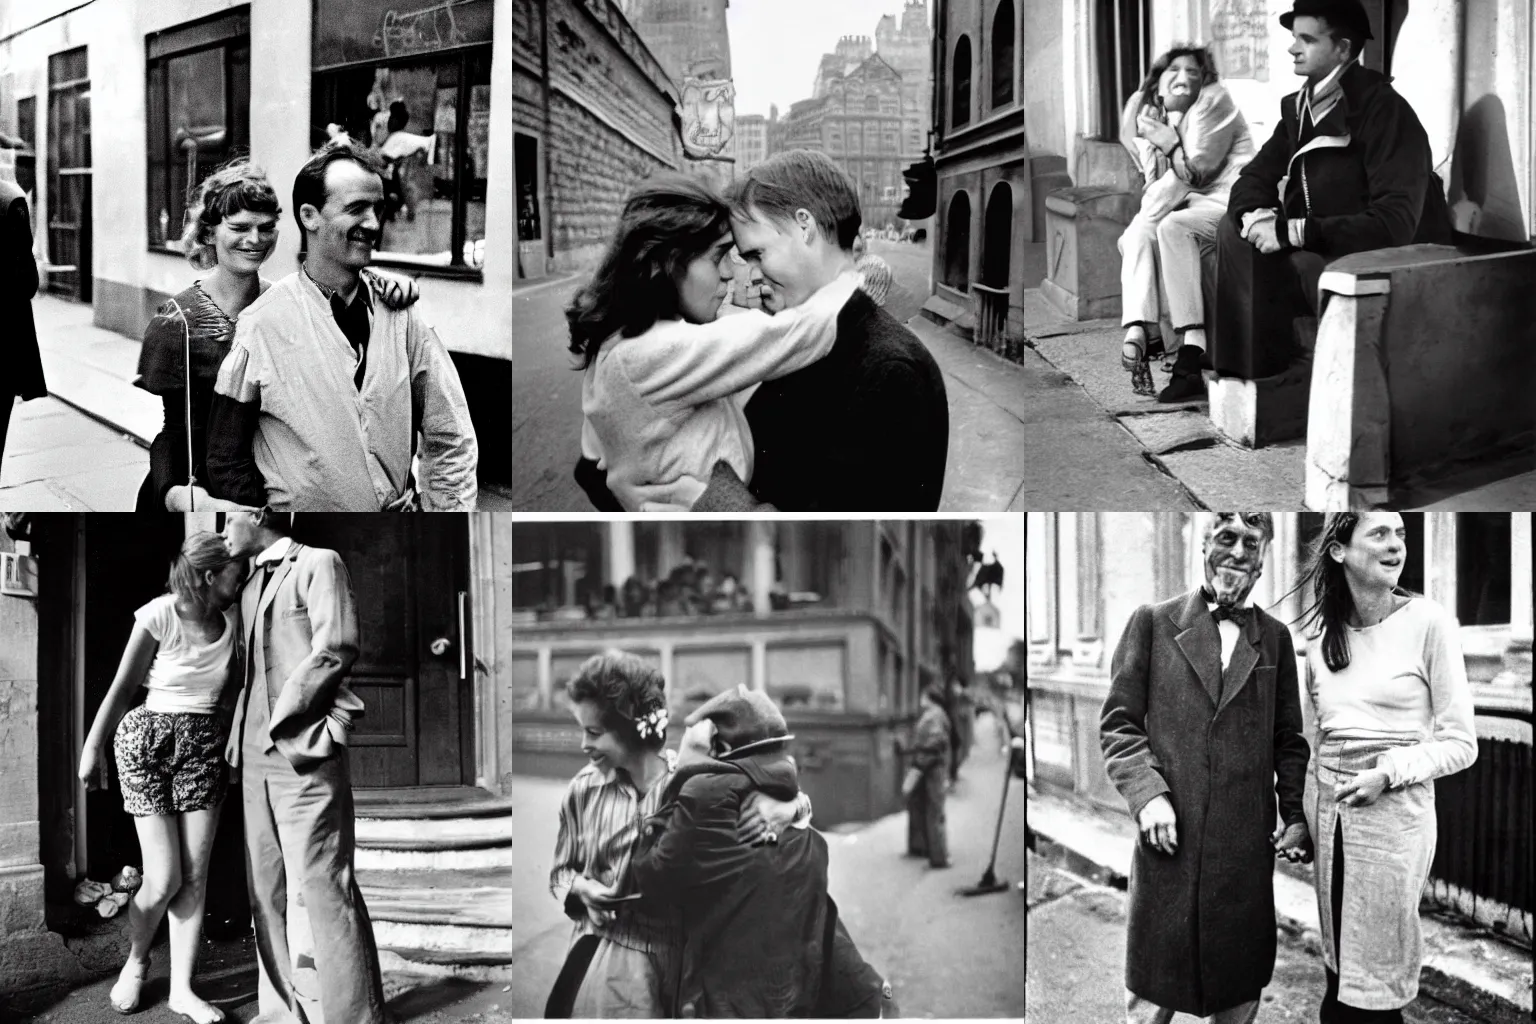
[(416, 89), (198, 113), (807, 677)]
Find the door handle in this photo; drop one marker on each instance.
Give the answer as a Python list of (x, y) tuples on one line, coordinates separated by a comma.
[(440, 646), (463, 653)]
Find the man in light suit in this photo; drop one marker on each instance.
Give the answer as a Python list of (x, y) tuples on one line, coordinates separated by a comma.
[(1201, 734), (289, 739)]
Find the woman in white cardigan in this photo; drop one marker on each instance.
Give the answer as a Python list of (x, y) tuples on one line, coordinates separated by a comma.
[(1190, 142), (1393, 713)]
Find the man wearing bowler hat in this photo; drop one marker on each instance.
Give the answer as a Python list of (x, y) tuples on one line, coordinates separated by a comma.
[(1348, 169)]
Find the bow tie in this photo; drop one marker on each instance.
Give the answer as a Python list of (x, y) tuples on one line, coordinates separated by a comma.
[(1237, 615)]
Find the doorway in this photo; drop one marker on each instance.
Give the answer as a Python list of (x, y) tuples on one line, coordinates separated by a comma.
[(69, 174), (413, 672), (957, 243), (997, 237)]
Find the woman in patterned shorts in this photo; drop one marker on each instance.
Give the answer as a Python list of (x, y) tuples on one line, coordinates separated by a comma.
[(170, 757)]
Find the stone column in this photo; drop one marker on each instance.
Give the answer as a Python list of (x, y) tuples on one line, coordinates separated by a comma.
[(1430, 44), (760, 569), (1517, 656), (620, 551)]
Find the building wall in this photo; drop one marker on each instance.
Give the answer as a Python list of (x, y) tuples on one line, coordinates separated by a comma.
[(1044, 113), (612, 120)]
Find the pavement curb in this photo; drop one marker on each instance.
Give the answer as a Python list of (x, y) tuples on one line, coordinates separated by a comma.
[(1096, 846)]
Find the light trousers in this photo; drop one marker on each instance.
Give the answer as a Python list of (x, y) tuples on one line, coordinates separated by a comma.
[(1142, 1011), (1160, 264)]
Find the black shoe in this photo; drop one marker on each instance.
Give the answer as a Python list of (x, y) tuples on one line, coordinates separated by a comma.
[(1187, 383)]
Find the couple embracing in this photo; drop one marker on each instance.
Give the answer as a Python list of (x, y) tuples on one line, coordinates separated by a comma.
[(821, 402), (248, 673)]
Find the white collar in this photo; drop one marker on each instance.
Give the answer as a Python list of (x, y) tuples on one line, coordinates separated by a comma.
[(276, 553)]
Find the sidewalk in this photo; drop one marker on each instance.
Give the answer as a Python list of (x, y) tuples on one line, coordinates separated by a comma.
[(1021, 437), (91, 370), (1463, 966)]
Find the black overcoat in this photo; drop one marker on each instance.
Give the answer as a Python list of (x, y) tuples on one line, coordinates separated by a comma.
[(1363, 177), (1201, 932), (21, 365)]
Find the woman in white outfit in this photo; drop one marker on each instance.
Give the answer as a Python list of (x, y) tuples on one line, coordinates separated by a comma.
[(1394, 712), (1190, 142)]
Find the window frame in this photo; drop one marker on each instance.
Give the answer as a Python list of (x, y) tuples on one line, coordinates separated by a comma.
[(459, 230), (228, 31), (960, 86)]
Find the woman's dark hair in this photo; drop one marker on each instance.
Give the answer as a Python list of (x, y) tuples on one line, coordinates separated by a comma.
[(669, 220), (1332, 601), (623, 688), (236, 187), (1202, 57)]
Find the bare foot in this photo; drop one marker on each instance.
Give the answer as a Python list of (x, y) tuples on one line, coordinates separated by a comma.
[(189, 1004), (125, 994)]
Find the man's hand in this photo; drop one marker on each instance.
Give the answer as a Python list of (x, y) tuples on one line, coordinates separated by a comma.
[(1156, 132), (1293, 842), (1159, 830), (593, 895), (764, 819), (1264, 238), (1363, 789)]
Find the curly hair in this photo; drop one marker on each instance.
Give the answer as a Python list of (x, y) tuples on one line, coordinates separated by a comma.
[(1202, 57), (236, 187), (623, 688)]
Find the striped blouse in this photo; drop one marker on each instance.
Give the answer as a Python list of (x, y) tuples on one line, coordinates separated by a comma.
[(600, 820)]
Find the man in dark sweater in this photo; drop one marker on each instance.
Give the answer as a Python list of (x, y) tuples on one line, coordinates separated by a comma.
[(1348, 169)]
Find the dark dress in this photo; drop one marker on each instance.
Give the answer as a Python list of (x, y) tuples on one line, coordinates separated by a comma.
[(21, 366), (162, 371)]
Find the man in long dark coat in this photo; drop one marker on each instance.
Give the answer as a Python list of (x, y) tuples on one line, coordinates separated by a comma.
[(22, 372), (1201, 732)]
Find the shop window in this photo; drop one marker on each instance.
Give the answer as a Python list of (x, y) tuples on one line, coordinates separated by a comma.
[(415, 88), (1482, 568), (556, 566), (807, 677), (198, 102), (525, 156), (700, 673)]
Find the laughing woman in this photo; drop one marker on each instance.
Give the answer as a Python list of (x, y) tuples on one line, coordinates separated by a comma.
[(1394, 712), (623, 959), (170, 758)]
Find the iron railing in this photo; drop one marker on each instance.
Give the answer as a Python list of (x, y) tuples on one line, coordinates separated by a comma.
[(1484, 820), (991, 318)]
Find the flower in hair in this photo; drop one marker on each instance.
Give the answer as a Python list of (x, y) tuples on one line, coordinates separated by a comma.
[(653, 723)]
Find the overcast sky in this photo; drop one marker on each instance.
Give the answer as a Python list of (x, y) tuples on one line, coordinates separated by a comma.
[(776, 45)]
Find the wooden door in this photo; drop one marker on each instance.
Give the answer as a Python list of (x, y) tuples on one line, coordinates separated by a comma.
[(69, 174), (408, 574)]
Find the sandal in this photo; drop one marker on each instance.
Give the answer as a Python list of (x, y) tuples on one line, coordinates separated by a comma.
[(128, 1002), (1133, 356)]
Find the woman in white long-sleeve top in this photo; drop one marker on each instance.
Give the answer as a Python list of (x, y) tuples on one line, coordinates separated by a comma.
[(1394, 712)]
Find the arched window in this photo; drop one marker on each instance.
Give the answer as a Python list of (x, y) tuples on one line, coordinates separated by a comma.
[(960, 93), (1002, 54), (957, 243), (997, 236)]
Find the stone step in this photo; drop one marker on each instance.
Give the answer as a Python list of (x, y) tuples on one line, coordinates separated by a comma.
[(428, 802), (437, 833), (388, 859), (476, 897), (444, 944)]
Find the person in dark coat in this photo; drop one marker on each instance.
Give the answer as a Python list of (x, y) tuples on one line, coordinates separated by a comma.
[(761, 937), (962, 726), (1201, 734), (926, 780), (1348, 169), (22, 376)]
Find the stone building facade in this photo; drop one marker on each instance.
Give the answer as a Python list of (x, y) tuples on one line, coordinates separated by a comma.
[(908, 47), (751, 141), (593, 111), (1087, 572), (841, 623)]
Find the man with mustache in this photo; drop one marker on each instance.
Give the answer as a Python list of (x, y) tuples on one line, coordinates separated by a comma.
[(326, 399), (1201, 733)]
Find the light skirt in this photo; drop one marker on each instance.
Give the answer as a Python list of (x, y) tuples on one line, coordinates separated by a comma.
[(1388, 848), (623, 982)]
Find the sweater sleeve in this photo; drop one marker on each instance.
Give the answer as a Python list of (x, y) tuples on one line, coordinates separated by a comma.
[(1208, 135), (168, 451), (881, 472), (1258, 186), (232, 420), (450, 452), (690, 364), (1452, 745)]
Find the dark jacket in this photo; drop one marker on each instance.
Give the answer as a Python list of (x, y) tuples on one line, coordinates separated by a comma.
[(1201, 930), (757, 921), (23, 364), (1362, 178), (163, 372), (864, 430)]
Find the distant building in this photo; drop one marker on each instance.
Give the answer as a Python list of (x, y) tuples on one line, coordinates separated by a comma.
[(775, 130), (909, 49), (841, 623), (980, 166), (751, 141), (601, 115)]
